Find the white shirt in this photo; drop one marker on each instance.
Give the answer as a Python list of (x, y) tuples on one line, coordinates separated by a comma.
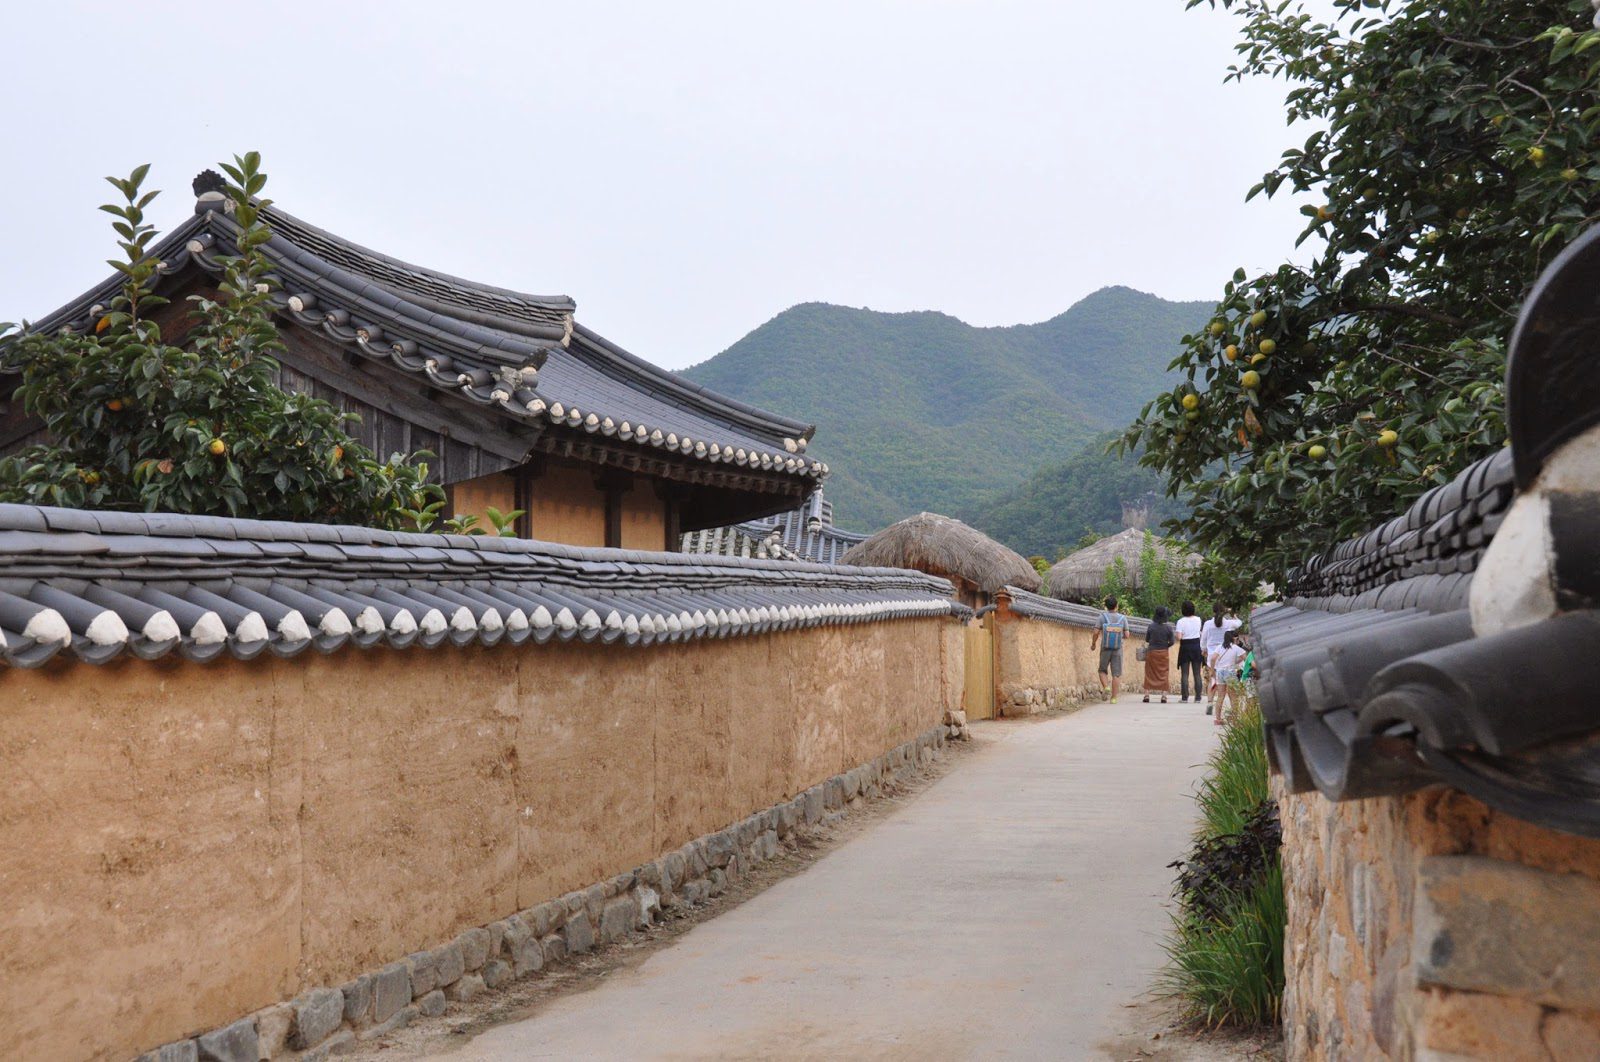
[(1189, 628), (1229, 659), (1231, 623), (1211, 636)]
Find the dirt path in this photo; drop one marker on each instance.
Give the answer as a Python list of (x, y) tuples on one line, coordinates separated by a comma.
[(1014, 908)]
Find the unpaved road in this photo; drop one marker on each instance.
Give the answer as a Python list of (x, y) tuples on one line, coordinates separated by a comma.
[(1013, 909)]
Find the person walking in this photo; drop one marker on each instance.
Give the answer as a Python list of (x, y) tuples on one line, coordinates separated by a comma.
[(1211, 635), (1158, 638), (1227, 662), (1108, 637), (1191, 658)]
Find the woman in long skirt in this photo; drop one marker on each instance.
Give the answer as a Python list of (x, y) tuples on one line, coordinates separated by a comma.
[(1158, 639)]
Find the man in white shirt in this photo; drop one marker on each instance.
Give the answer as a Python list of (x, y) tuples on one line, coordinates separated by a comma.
[(1191, 657)]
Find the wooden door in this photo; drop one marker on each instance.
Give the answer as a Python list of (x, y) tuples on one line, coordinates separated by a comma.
[(978, 698)]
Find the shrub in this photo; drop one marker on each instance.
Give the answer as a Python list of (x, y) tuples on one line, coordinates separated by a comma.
[(135, 422), (1223, 866)]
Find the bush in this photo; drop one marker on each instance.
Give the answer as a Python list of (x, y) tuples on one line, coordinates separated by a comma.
[(1225, 952), (1230, 864)]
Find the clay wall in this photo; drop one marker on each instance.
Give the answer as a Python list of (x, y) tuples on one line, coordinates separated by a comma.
[(186, 844), (1042, 664), (1430, 926)]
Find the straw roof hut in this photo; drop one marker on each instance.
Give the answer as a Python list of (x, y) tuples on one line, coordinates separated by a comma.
[(1080, 575), (939, 545)]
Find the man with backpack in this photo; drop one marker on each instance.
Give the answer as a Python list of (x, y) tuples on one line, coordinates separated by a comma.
[(1108, 638)]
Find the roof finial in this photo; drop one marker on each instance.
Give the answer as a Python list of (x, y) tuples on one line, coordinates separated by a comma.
[(210, 193), (208, 181)]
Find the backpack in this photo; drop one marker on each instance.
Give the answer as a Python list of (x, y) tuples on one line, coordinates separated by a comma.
[(1114, 625)]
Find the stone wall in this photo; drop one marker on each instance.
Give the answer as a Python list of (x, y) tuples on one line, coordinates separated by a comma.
[(1432, 927), (188, 844)]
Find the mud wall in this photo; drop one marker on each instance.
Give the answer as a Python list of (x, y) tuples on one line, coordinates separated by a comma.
[(188, 843), (1042, 664), (1430, 926)]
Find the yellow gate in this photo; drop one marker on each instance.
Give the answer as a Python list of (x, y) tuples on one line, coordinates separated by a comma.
[(978, 698)]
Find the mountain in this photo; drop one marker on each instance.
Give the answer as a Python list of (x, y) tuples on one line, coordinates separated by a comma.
[(1056, 506), (921, 411)]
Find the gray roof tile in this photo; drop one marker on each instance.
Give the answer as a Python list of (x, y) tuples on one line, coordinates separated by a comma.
[(278, 588)]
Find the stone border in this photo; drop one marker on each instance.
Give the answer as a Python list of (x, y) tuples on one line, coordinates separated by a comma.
[(1018, 700), (327, 1021)]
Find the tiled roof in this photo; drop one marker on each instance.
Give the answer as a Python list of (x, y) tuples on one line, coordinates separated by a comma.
[(1054, 610), (522, 355), (97, 585), (736, 541), (1442, 535), (1459, 643), (805, 532)]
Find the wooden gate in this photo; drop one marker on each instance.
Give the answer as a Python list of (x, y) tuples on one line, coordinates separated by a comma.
[(978, 698)]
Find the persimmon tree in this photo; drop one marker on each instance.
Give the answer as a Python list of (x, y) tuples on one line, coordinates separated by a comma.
[(1452, 152), (137, 423)]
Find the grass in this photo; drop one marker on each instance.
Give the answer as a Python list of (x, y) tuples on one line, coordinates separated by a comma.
[(1236, 778), (1229, 971), (1225, 951)]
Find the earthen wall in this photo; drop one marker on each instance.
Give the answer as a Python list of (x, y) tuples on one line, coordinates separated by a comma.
[(185, 844)]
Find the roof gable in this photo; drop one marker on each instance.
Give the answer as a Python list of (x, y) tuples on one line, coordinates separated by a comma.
[(521, 355)]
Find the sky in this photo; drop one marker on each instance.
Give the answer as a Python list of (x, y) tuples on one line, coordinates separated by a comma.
[(685, 170)]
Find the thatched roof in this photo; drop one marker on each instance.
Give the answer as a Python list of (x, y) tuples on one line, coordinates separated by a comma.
[(932, 543), (1079, 576)]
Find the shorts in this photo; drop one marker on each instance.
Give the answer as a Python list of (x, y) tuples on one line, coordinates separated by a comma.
[(1111, 660), (1224, 677)]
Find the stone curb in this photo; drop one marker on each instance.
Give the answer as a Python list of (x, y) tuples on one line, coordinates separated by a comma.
[(326, 1021)]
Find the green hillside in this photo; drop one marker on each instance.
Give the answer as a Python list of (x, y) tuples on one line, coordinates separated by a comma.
[(921, 411), (1049, 513)]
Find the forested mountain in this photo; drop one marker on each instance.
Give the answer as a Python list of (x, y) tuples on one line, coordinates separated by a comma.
[(1049, 513), (921, 411)]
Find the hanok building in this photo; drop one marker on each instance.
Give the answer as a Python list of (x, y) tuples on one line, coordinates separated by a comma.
[(522, 406), (804, 533)]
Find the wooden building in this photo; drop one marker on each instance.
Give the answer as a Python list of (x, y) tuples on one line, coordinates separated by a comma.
[(522, 406)]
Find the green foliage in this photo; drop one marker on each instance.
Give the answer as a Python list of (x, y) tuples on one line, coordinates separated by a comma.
[(137, 423), (1069, 504), (504, 524), (1115, 585), (1229, 970), (1163, 581), (1218, 580), (1225, 951), (1452, 157), (1235, 783), (920, 411)]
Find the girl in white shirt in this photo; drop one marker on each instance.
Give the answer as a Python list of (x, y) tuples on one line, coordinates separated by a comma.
[(1225, 662)]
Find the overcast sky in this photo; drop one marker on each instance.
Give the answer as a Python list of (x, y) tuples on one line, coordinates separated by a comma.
[(684, 170)]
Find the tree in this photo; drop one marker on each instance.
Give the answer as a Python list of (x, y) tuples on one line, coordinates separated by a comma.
[(1453, 156), (137, 423)]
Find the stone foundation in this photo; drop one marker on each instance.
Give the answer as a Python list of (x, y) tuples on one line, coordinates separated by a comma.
[(1018, 700), (1432, 927), (325, 1021)]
